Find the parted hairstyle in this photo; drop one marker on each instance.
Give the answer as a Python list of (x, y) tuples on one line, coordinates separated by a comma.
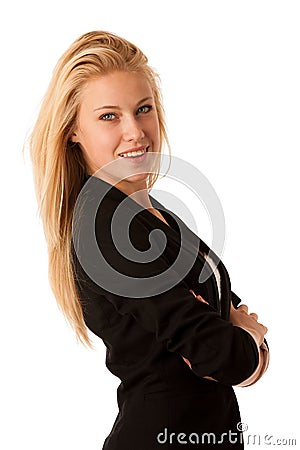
[(59, 166)]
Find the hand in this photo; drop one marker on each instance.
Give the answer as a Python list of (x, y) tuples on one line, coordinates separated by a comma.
[(241, 318)]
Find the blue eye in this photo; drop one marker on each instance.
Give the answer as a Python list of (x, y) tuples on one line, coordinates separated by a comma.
[(144, 109), (108, 116)]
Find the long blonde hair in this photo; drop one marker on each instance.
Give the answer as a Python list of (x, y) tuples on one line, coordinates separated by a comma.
[(58, 170)]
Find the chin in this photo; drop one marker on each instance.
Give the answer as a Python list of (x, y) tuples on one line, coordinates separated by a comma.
[(137, 178)]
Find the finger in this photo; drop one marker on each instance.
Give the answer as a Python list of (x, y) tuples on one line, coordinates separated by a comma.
[(265, 328), (243, 308), (254, 315)]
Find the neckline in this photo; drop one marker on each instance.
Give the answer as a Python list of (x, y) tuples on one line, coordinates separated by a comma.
[(118, 195)]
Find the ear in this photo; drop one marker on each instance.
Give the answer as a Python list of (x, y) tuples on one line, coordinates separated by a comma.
[(74, 137)]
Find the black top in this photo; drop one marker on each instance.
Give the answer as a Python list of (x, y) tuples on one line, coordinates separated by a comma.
[(146, 334)]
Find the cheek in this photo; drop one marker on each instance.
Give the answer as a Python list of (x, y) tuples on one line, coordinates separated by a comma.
[(152, 130), (97, 139), (156, 134)]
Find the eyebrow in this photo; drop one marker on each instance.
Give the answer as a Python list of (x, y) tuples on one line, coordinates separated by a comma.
[(118, 107)]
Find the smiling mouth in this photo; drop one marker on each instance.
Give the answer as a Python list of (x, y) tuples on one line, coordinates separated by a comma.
[(135, 153)]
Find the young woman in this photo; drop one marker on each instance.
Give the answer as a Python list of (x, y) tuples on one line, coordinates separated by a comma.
[(178, 345)]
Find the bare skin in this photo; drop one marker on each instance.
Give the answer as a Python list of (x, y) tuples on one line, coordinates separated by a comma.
[(113, 121)]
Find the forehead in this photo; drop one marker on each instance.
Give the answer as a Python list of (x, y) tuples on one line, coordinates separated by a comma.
[(116, 88)]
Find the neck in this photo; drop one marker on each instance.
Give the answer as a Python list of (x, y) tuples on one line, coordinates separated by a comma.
[(138, 192)]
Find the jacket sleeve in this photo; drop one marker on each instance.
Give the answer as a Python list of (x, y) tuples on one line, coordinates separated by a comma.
[(213, 346), (190, 328)]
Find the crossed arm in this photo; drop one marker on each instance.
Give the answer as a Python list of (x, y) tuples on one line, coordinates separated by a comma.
[(249, 322)]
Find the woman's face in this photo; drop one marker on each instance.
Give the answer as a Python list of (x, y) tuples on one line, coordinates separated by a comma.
[(117, 115)]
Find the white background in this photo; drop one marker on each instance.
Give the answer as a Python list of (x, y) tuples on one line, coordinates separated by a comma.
[(230, 77)]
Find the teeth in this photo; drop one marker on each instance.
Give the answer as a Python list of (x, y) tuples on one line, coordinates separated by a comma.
[(136, 153)]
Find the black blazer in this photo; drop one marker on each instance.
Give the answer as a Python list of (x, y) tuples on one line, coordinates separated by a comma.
[(146, 336)]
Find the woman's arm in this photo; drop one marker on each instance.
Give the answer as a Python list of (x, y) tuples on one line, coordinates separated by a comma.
[(193, 329), (214, 346), (249, 322)]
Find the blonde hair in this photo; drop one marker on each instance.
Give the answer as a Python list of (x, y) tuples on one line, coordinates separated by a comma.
[(58, 170)]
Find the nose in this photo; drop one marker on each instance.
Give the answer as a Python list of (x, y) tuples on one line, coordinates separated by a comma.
[(132, 130)]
